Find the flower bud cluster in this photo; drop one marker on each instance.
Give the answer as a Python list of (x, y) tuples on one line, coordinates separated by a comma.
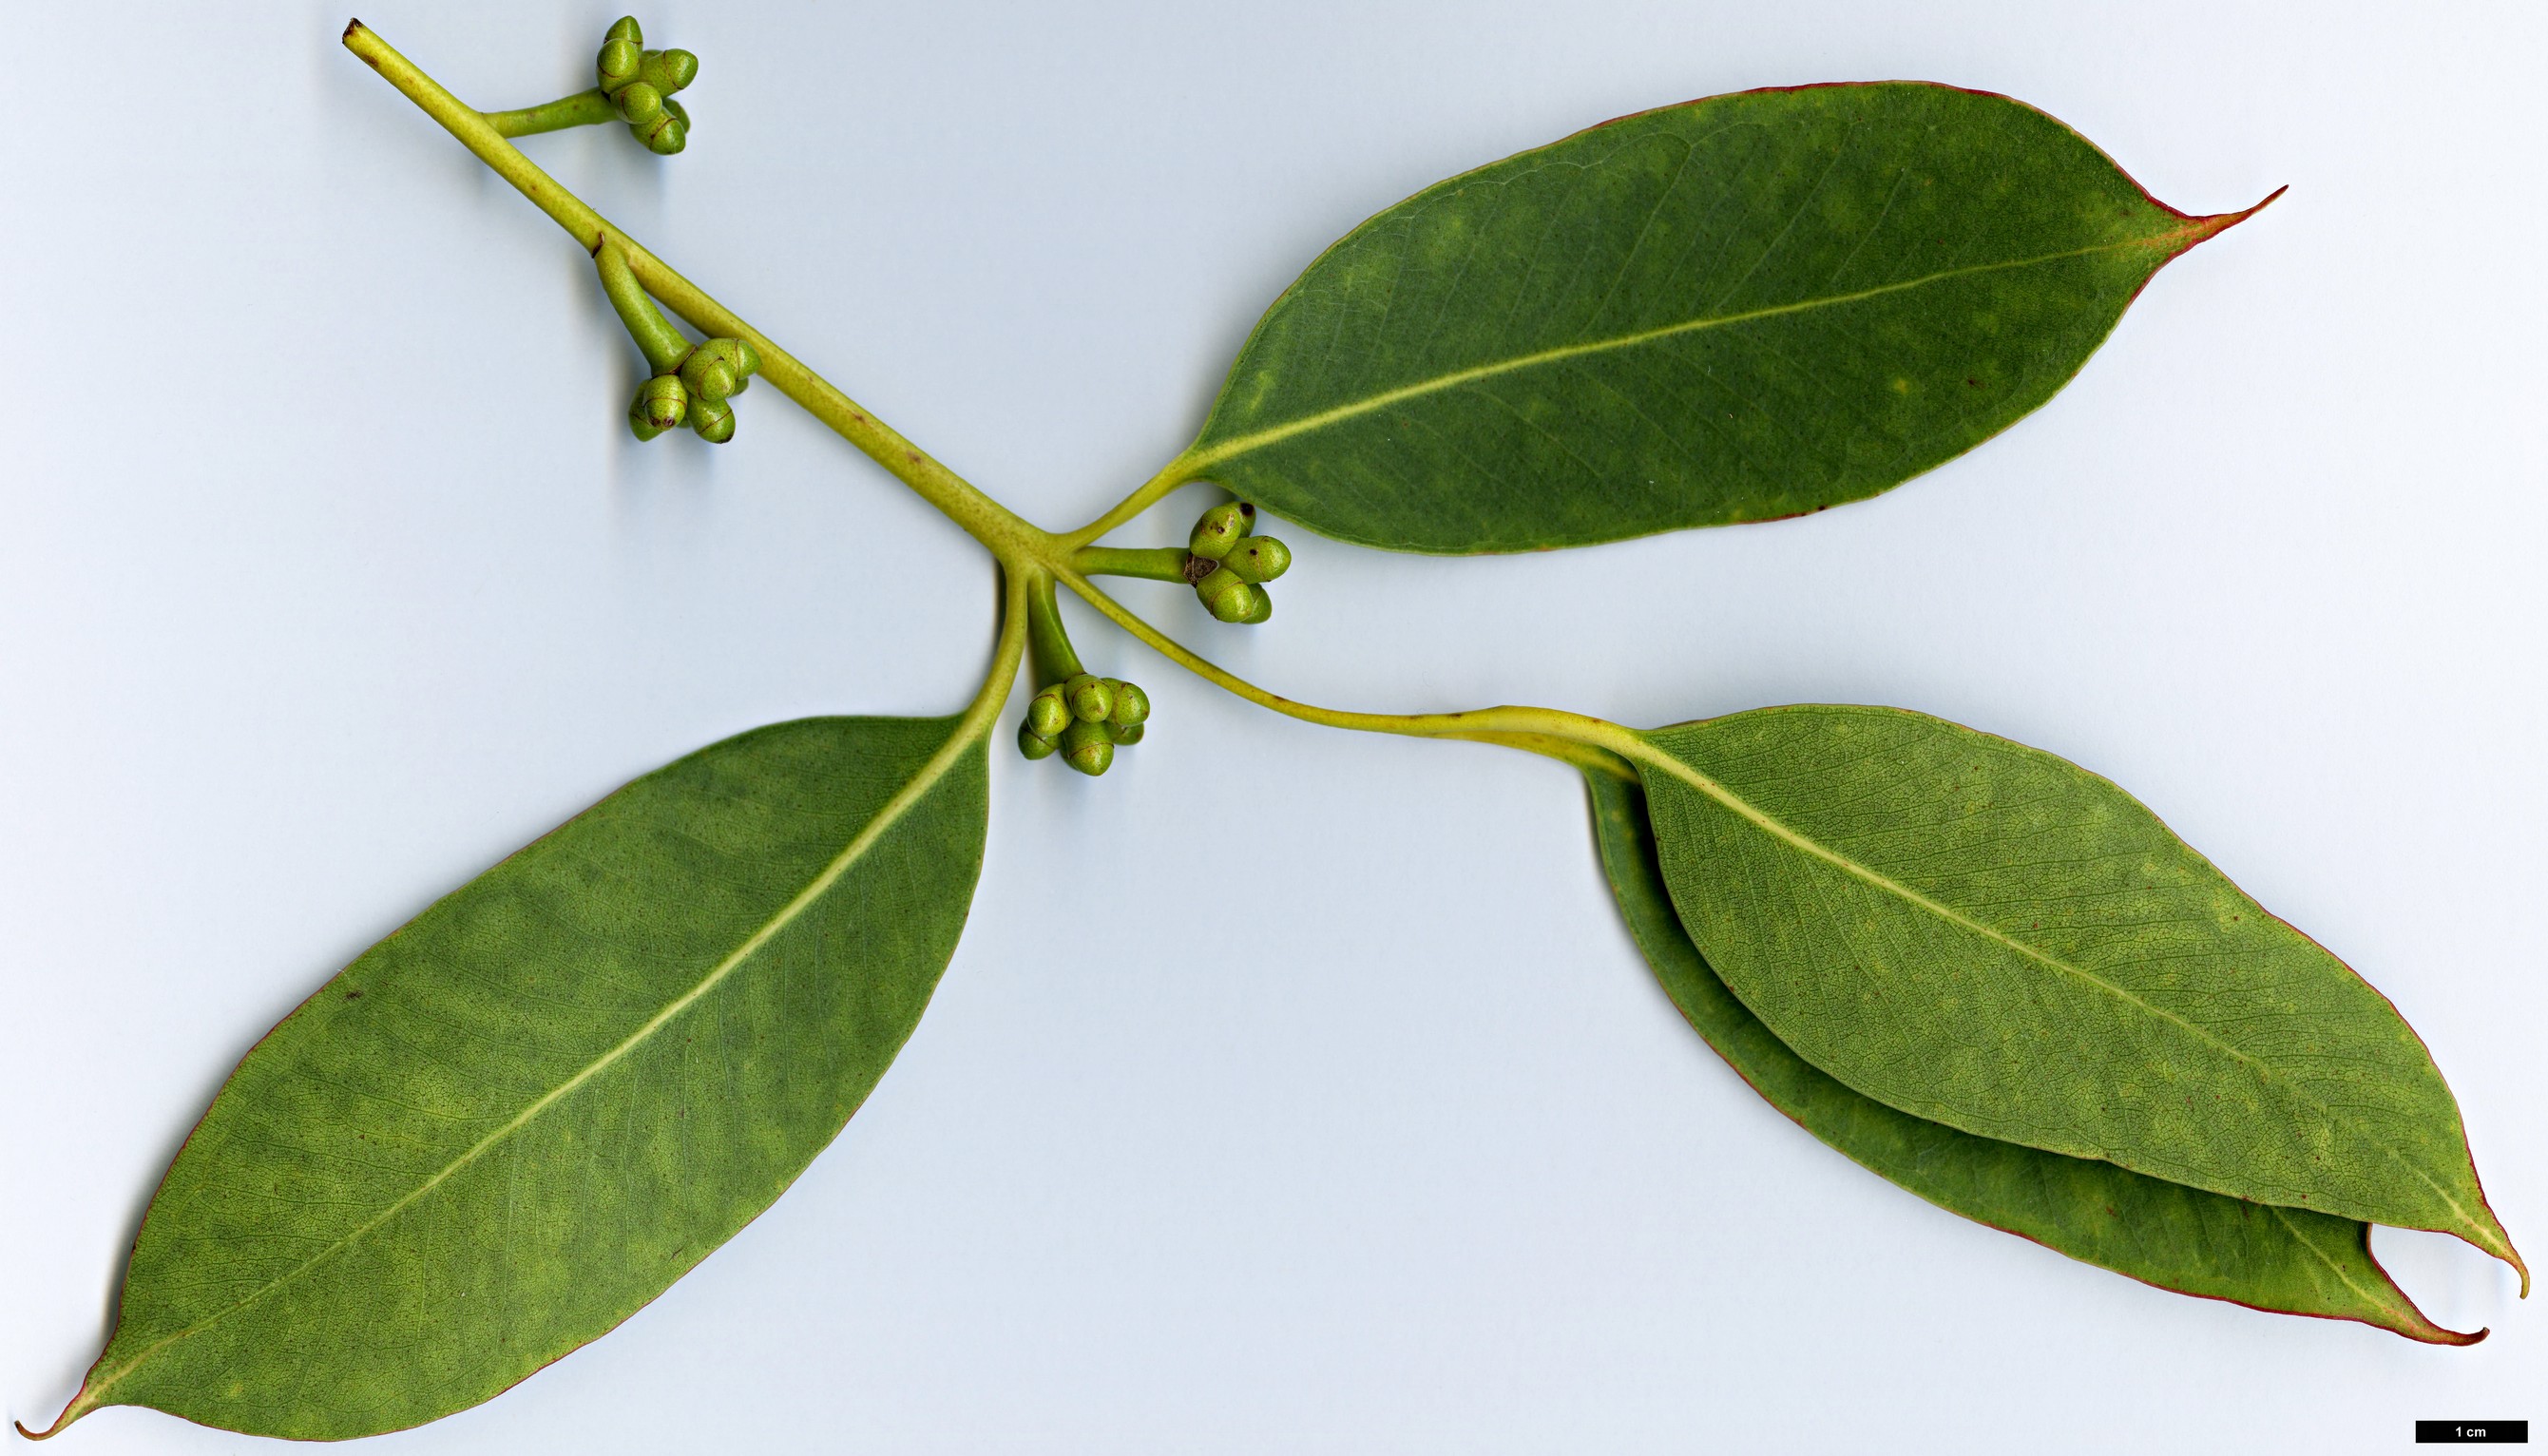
[(694, 391), (1083, 718), (640, 84), (1230, 567)]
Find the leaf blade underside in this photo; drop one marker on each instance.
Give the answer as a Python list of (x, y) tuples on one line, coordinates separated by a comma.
[(1738, 309), (519, 1117), (2283, 1260), (1983, 935)]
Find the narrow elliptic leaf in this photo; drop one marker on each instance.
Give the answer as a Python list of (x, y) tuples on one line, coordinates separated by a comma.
[(1737, 308), (1982, 935), (2287, 1260), (519, 1117)]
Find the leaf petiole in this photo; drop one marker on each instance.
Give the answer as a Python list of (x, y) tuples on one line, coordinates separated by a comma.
[(1175, 472)]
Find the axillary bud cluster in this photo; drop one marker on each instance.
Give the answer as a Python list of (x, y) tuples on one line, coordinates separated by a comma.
[(1083, 718), (694, 391), (1230, 567), (640, 83)]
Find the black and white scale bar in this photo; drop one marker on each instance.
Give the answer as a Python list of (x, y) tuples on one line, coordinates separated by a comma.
[(2509, 1433)]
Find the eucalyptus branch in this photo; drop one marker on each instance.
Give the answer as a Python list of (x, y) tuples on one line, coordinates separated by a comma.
[(1019, 545), (1980, 972)]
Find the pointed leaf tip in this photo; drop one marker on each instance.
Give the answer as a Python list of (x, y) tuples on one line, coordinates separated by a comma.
[(71, 1413), (2199, 230)]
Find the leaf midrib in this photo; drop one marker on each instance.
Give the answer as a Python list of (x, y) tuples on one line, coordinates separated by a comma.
[(1780, 830), (2344, 1275), (930, 775), (1238, 445)]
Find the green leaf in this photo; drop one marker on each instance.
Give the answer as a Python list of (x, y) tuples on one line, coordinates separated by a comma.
[(2288, 1260), (1981, 935), (526, 1112), (1733, 309)]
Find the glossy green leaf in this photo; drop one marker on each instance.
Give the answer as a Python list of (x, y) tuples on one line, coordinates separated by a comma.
[(1979, 934), (1733, 309), (520, 1117), (2288, 1260)]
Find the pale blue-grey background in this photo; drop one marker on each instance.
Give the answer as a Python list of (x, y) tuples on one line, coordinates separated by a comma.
[(328, 575)]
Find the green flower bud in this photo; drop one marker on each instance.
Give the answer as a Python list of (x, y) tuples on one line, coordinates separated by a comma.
[(638, 424), (739, 356), (661, 403), (1131, 706), (709, 374), (713, 419), (1221, 528), (1088, 748), (625, 29), (1225, 594), (638, 103), (1047, 713), (1089, 697), (1260, 606), (669, 70), (1034, 745), (1124, 737), (669, 133), (616, 65), (1258, 558)]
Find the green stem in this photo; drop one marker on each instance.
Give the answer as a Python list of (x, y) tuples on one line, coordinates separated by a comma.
[(1054, 662), (1019, 545), (583, 109), (1014, 616), (1151, 563), (1550, 731), (1033, 559), (1171, 475), (657, 339)]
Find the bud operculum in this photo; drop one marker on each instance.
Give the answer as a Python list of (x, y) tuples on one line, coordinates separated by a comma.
[(1221, 528), (661, 405), (713, 419), (1225, 594), (1088, 747), (1259, 559), (616, 66), (1034, 745), (719, 368), (1046, 713), (1131, 706), (1091, 698)]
